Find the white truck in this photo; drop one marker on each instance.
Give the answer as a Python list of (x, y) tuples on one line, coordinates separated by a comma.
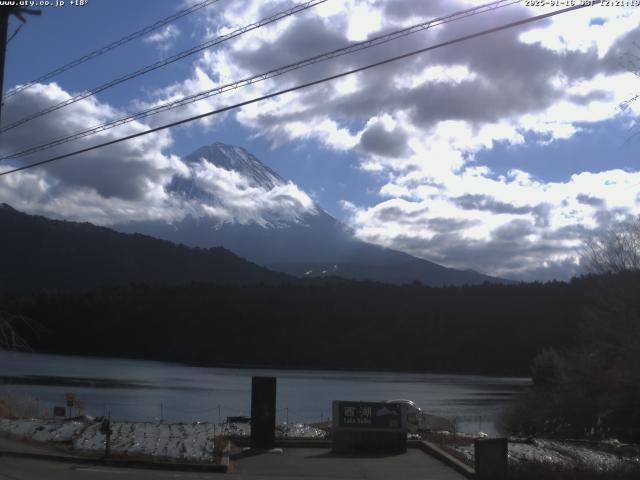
[(418, 421)]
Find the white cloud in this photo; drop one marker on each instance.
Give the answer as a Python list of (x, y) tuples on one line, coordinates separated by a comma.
[(233, 198), (105, 185), (128, 181), (509, 225), (363, 21), (165, 37), (597, 27), (419, 124), (425, 119)]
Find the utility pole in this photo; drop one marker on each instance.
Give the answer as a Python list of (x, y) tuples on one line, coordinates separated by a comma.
[(5, 13), (4, 29)]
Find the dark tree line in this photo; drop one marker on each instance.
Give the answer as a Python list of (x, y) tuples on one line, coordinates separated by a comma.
[(47, 253), (593, 388), (492, 329)]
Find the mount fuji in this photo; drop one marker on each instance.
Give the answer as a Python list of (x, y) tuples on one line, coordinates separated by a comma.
[(237, 202)]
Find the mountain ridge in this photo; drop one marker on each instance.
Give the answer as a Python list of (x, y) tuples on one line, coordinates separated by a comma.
[(312, 243), (62, 255)]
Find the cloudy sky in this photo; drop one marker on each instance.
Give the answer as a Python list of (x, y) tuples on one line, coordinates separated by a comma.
[(500, 154)]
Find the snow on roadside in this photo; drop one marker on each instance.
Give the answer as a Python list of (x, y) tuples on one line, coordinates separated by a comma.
[(184, 442), (55, 431), (284, 430), (562, 453), (195, 442), (90, 439), (299, 430), (236, 429), (173, 441), (178, 441)]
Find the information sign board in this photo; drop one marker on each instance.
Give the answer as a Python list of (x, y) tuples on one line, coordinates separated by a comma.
[(369, 416)]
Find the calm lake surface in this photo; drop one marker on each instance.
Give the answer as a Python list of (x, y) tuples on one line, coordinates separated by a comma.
[(147, 391)]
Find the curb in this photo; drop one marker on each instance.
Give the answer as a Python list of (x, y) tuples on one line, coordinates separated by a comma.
[(286, 443), (446, 458), (190, 467)]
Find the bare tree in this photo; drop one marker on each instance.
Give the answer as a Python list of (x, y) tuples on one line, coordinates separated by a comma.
[(617, 251), (9, 337), (592, 388)]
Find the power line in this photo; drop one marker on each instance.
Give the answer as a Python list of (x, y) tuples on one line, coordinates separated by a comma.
[(304, 85), (118, 43), (15, 32), (174, 58), (355, 47)]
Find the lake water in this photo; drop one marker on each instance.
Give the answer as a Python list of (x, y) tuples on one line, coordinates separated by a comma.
[(147, 391)]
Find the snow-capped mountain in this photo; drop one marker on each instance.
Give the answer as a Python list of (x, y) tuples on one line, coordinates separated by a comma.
[(241, 204), (237, 159)]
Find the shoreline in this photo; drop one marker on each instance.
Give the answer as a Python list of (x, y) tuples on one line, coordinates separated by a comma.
[(231, 366)]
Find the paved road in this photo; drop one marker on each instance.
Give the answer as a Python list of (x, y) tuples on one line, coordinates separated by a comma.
[(26, 469), (317, 464), (320, 464), (8, 444)]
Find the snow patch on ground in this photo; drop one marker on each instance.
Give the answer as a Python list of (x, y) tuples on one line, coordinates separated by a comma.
[(42, 430), (179, 441), (598, 456), (189, 442), (292, 430), (300, 430)]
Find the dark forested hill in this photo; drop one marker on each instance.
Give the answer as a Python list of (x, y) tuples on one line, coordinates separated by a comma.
[(39, 253), (491, 329)]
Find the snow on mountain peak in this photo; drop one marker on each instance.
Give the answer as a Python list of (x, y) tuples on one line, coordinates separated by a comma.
[(239, 160), (228, 183)]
